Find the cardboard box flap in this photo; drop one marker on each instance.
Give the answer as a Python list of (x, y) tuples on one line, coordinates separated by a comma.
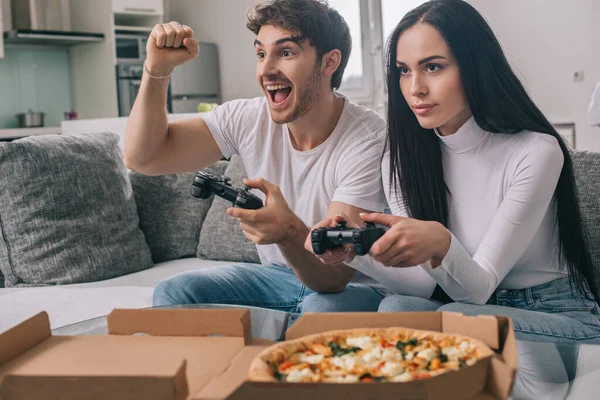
[(503, 369), (181, 322), (87, 366), (93, 388), (500, 379), (326, 391), (464, 389), (483, 327), (222, 385), (310, 323), (24, 336), (509, 347)]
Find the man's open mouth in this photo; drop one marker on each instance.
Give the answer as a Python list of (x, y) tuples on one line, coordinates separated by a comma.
[(278, 93)]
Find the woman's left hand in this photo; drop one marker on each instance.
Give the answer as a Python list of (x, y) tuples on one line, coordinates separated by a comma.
[(408, 242)]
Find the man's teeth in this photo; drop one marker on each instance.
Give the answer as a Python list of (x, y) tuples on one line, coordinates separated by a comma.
[(276, 87)]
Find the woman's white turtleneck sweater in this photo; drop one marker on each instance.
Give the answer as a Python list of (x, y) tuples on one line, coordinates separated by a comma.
[(502, 216)]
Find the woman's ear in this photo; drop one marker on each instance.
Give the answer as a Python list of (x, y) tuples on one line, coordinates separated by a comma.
[(331, 62)]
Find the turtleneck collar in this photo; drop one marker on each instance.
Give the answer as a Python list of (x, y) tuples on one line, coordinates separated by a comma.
[(467, 137)]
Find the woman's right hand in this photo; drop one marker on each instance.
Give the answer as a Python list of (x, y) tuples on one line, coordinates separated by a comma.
[(168, 46), (342, 254)]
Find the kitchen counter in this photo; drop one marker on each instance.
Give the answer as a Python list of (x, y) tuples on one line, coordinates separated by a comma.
[(115, 125), (16, 133)]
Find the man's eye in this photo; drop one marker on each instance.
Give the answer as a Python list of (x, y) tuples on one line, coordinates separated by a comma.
[(286, 53), (260, 55)]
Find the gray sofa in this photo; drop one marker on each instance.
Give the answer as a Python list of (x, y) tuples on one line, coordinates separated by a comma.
[(81, 235)]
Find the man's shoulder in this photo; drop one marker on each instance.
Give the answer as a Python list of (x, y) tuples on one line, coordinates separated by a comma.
[(365, 122)]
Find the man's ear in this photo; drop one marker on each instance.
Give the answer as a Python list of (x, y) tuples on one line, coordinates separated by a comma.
[(331, 62)]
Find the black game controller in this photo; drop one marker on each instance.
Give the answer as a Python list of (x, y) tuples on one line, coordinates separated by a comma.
[(330, 238), (206, 184)]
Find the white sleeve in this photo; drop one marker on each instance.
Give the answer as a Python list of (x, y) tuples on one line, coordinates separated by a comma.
[(226, 124), (472, 279), (358, 178), (413, 281)]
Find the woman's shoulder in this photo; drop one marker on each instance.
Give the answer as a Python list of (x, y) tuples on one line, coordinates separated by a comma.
[(534, 153), (540, 145), (529, 144)]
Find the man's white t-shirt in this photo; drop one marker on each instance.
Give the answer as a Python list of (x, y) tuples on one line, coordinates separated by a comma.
[(344, 168)]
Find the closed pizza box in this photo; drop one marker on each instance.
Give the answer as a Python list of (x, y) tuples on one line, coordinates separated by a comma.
[(165, 354), (488, 379)]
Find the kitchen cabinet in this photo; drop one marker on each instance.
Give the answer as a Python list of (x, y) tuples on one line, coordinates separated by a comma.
[(138, 6), (93, 81)]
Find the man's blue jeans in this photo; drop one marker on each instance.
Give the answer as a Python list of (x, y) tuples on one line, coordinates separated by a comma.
[(272, 286)]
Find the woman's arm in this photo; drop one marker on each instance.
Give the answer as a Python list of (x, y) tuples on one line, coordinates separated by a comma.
[(473, 278)]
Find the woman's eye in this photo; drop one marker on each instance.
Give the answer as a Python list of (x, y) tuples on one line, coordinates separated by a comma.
[(260, 55), (403, 70), (433, 67)]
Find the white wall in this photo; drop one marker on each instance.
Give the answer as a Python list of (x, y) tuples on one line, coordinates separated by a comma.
[(545, 41), (224, 23)]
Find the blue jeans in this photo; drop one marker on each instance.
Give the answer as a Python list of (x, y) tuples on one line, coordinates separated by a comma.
[(272, 286), (550, 312), (399, 302)]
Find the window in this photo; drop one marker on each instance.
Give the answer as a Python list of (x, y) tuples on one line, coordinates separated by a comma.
[(392, 12), (370, 23), (354, 73)]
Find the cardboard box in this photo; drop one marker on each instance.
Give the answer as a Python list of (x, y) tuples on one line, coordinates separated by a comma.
[(179, 357)]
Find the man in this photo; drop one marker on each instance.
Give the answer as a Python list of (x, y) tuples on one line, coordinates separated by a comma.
[(309, 151)]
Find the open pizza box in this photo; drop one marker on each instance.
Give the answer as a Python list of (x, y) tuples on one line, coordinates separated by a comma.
[(488, 379), (204, 354)]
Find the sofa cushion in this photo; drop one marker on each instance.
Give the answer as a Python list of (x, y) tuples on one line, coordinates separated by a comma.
[(221, 237), (170, 217), (67, 212), (586, 166), (68, 304)]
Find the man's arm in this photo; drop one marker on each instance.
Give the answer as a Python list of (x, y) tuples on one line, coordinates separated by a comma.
[(276, 223), (152, 145)]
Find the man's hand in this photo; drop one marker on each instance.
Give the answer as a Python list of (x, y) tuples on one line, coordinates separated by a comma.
[(270, 224), (409, 241), (168, 46), (342, 254)]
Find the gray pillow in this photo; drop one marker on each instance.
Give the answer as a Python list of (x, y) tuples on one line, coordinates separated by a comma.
[(170, 216), (67, 213), (586, 166), (221, 237)]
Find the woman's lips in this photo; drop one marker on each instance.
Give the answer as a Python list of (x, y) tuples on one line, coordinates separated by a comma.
[(423, 109)]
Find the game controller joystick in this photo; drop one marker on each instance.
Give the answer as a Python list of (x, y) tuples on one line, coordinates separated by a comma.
[(206, 184), (324, 239)]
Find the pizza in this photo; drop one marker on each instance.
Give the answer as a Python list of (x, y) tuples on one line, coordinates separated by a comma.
[(367, 355)]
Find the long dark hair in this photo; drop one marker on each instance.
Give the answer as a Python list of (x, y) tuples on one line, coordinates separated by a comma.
[(499, 103)]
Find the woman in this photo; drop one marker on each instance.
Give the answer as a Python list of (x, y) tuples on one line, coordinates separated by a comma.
[(481, 186)]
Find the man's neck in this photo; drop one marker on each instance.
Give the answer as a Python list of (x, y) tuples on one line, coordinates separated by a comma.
[(313, 128)]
